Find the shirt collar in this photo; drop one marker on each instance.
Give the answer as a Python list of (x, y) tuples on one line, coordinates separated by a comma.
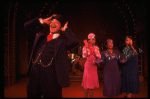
[(56, 35)]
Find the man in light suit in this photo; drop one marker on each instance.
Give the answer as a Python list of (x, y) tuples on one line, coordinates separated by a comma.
[(48, 67)]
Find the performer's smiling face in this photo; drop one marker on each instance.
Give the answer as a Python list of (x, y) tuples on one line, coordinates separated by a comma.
[(55, 26), (109, 45), (93, 41), (128, 41)]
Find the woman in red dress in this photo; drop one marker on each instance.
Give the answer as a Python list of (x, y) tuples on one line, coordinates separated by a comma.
[(90, 76)]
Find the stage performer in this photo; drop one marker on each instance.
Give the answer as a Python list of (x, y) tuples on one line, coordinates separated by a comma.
[(90, 77), (111, 73), (48, 68), (129, 71)]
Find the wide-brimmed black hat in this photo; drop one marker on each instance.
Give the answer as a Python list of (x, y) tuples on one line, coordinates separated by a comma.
[(61, 19)]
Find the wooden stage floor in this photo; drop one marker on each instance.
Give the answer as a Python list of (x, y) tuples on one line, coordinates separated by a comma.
[(74, 91)]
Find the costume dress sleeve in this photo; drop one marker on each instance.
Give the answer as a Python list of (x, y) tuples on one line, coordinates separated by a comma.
[(128, 53), (84, 52), (33, 26), (97, 52)]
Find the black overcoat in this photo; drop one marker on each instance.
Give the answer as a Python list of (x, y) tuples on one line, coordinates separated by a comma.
[(60, 51)]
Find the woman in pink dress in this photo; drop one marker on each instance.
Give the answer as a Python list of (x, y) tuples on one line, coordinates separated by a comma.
[(91, 53)]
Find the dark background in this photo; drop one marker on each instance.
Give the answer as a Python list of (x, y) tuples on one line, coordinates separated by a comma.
[(108, 20)]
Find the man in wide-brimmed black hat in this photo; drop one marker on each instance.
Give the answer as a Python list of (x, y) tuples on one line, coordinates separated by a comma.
[(48, 66)]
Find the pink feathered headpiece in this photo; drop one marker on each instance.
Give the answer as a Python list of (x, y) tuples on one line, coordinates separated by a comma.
[(91, 35)]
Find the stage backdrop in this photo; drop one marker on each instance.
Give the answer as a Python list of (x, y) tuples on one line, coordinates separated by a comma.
[(106, 19)]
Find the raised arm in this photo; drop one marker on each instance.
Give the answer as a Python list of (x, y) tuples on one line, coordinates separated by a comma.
[(36, 24), (33, 26), (128, 53), (84, 52), (97, 52), (72, 40)]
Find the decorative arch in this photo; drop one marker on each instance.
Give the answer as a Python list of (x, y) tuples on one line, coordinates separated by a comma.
[(77, 22), (122, 9)]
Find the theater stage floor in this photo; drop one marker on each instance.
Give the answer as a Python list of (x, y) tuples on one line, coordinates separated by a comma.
[(74, 91)]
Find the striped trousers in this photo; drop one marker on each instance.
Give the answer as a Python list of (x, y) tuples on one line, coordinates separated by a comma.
[(43, 81)]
